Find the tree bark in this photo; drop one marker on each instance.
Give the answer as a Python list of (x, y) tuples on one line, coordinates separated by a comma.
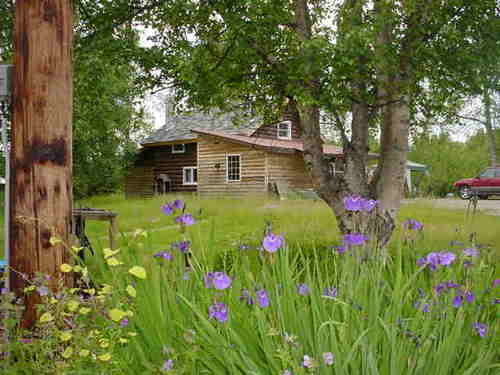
[(490, 134), (41, 162)]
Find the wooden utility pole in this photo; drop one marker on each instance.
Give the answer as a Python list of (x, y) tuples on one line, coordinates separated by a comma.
[(41, 157)]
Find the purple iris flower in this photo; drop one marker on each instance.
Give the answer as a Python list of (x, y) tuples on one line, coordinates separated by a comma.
[(354, 239), (25, 341), (185, 219), (303, 289), (352, 203), (167, 209), (272, 242), (262, 298), (217, 280), (357, 203), (330, 292), (178, 204), (164, 255), (184, 246), (218, 311), (341, 249), (471, 252), (457, 301), (446, 259), (413, 224), (481, 329), (496, 301), (245, 296), (496, 282), (307, 362), (167, 365), (469, 297), (124, 322), (426, 308), (328, 358), (434, 260)]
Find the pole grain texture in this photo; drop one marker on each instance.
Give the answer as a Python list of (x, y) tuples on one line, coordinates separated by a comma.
[(41, 158)]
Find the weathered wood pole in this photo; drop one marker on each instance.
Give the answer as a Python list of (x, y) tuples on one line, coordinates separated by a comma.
[(41, 158)]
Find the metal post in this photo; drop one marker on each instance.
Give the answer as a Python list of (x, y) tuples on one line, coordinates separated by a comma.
[(5, 143)]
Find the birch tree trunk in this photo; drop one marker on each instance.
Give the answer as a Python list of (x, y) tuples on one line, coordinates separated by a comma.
[(490, 134)]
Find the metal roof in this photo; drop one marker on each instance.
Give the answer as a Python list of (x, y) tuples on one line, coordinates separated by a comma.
[(277, 144), (178, 127)]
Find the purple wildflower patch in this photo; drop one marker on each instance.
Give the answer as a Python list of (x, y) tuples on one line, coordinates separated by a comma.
[(167, 209), (164, 255), (217, 280), (471, 252), (330, 292), (357, 203), (218, 311), (303, 289), (481, 329), (412, 224), (185, 219), (354, 239), (272, 242), (262, 298)]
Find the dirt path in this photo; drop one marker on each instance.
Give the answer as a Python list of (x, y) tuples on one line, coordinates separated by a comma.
[(487, 206)]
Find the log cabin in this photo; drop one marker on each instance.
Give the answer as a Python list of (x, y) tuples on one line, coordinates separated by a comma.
[(209, 155)]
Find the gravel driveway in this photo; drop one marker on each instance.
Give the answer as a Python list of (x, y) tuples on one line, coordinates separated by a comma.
[(488, 206)]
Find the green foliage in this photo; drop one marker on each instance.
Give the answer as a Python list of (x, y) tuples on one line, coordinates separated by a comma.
[(108, 117), (448, 161)]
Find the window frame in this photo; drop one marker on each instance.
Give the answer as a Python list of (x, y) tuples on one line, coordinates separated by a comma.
[(289, 130), (184, 182), (179, 151), (239, 168), (488, 170)]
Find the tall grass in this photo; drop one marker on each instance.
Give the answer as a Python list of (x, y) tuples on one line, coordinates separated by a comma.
[(375, 325)]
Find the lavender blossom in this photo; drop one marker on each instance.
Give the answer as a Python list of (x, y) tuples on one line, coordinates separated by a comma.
[(218, 311), (178, 204), (167, 209), (167, 365), (307, 362), (354, 239), (164, 255), (330, 292), (328, 358), (185, 219), (471, 252), (272, 242), (481, 329), (217, 280), (303, 289), (262, 298), (413, 225)]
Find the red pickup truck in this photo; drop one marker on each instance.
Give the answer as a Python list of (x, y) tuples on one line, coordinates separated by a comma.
[(485, 184)]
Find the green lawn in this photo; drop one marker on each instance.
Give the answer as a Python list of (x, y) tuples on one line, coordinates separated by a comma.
[(227, 223), (224, 224)]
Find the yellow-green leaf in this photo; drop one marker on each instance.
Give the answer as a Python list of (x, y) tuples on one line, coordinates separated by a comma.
[(131, 291), (65, 336), (138, 272), (66, 268), (104, 357), (68, 352), (46, 317), (117, 314)]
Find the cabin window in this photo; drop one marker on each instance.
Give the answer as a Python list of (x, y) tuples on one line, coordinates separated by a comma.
[(190, 176), (178, 148), (285, 130), (233, 170)]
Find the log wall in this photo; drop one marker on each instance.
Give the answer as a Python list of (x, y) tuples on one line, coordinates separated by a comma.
[(289, 169), (212, 179), (153, 161)]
